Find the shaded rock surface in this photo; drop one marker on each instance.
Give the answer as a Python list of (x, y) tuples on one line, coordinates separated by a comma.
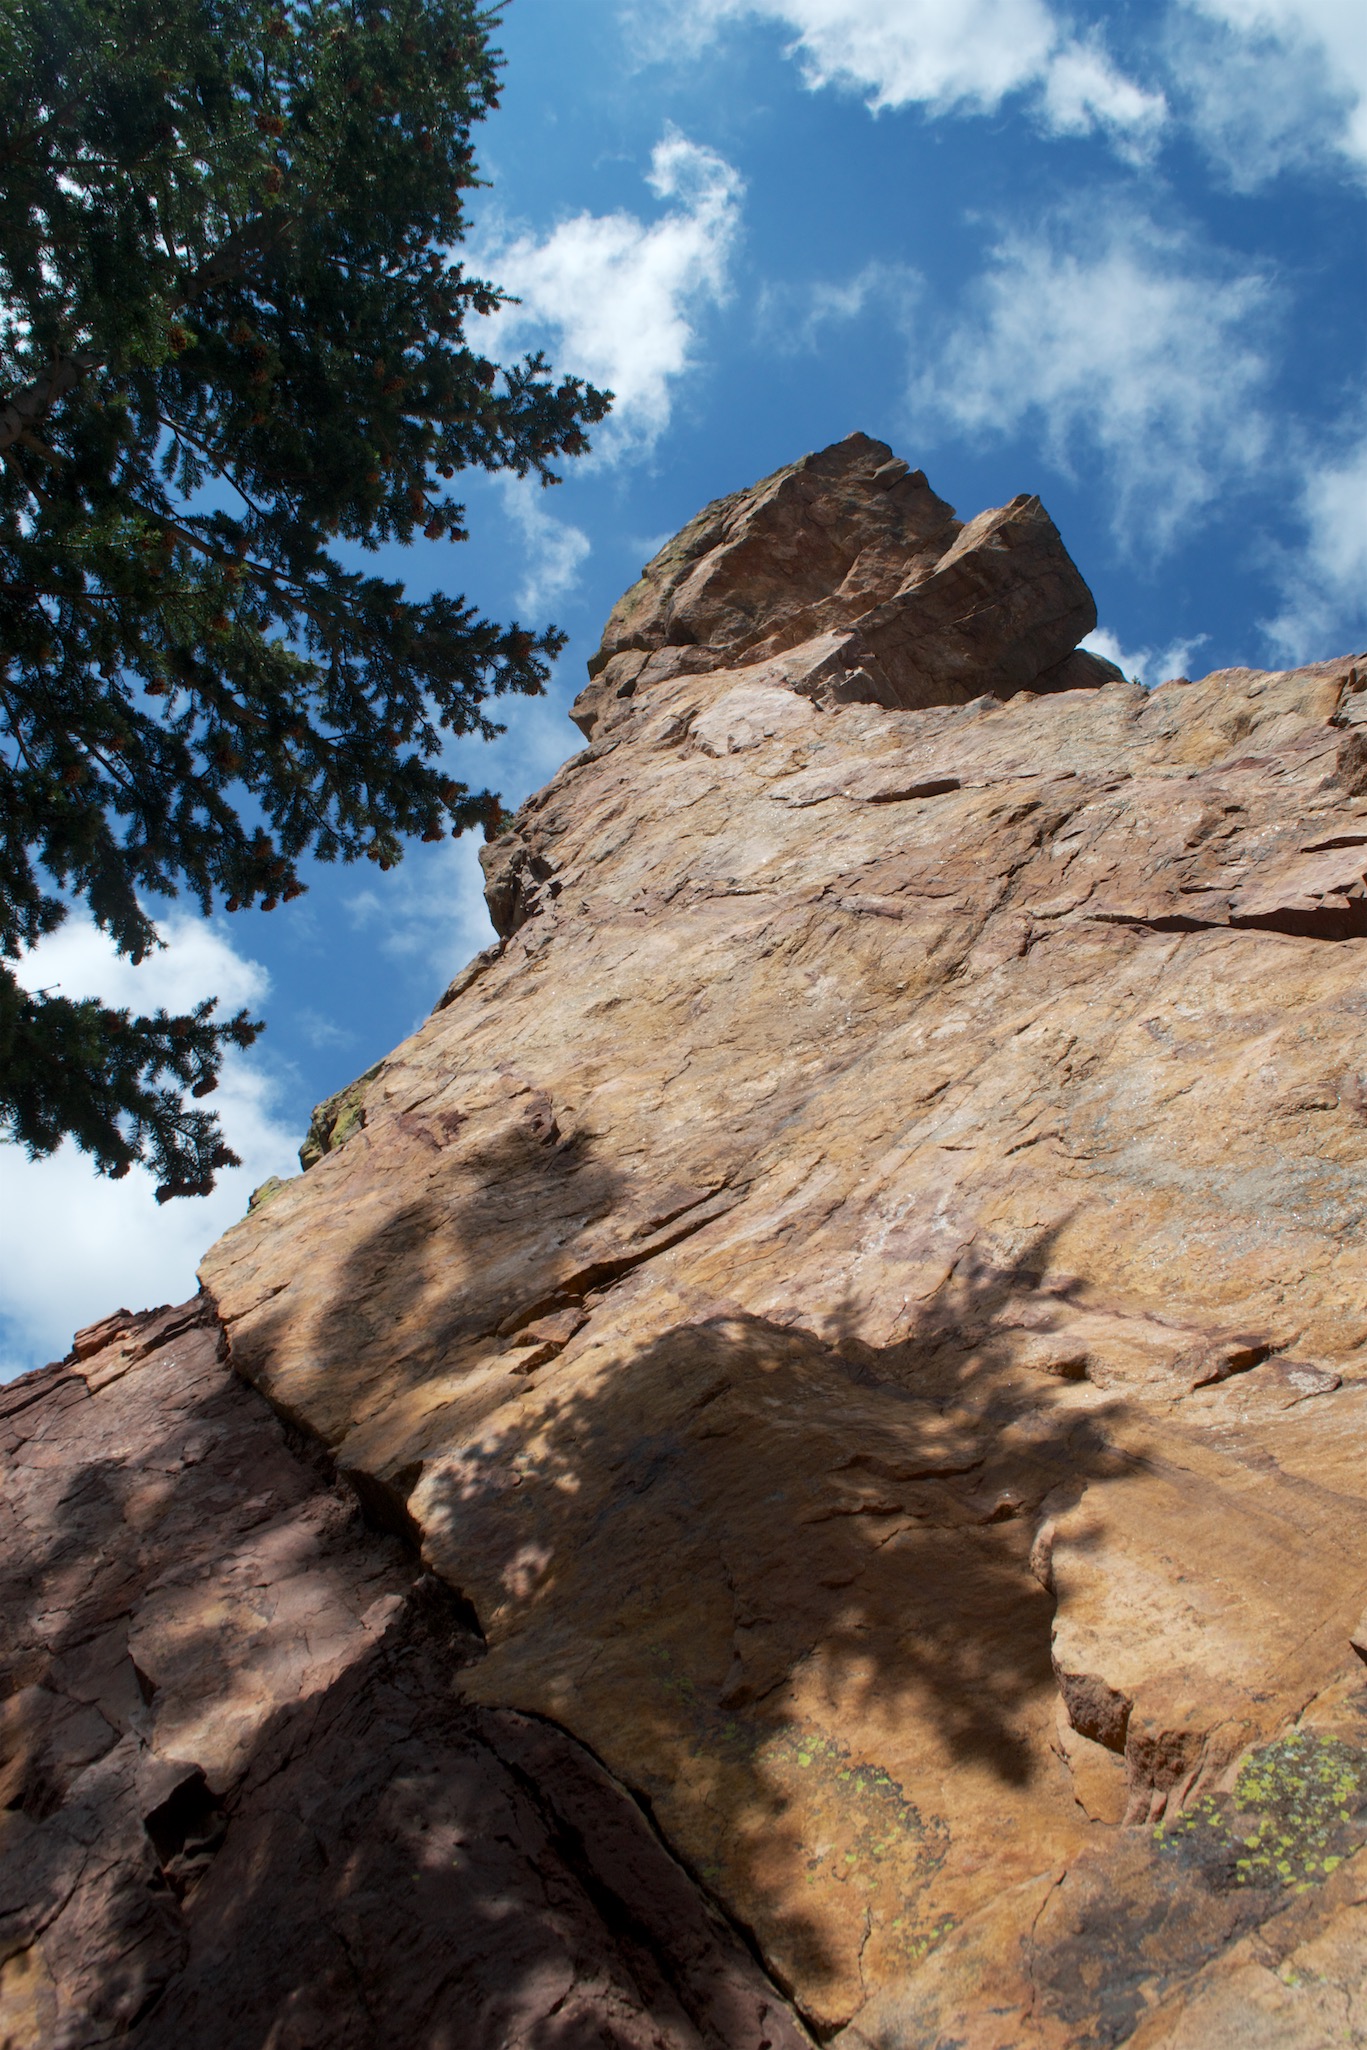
[(861, 1292), (245, 1799)]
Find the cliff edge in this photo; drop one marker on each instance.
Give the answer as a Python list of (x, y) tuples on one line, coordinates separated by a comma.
[(858, 1297)]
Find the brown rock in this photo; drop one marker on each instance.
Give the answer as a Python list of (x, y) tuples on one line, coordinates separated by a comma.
[(338, 1118), (1002, 609), (814, 546), (93, 1337), (953, 1172), (244, 1799), (847, 564), (860, 1293)]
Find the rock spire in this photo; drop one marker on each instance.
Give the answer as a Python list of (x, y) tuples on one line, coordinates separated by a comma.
[(857, 1297)]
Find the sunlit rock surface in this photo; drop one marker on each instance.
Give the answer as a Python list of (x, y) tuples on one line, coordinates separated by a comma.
[(862, 1292)]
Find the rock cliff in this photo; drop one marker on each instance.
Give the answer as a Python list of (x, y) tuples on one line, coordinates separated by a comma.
[(858, 1302), (245, 1802)]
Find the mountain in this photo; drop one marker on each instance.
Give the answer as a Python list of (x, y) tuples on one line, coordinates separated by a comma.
[(794, 1461)]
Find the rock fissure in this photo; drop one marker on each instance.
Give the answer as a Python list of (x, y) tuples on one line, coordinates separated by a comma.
[(877, 1435), (294, 1789)]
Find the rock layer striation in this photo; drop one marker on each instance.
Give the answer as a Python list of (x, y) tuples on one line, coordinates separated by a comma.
[(245, 1799), (862, 1290), (860, 1293)]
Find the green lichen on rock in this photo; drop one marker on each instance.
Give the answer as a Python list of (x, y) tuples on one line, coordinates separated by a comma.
[(870, 1837), (865, 1834), (1298, 1809), (336, 1119)]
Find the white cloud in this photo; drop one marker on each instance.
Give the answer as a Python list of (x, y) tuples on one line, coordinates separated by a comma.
[(647, 550), (555, 550), (320, 1031), (76, 1245), (1127, 349), (1149, 666), (794, 317), (619, 298), (904, 51), (1325, 613), (1270, 84), (1082, 91), (1264, 84), (963, 58), (430, 911), (197, 959)]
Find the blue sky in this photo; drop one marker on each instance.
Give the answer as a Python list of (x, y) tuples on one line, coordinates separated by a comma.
[(1115, 256)]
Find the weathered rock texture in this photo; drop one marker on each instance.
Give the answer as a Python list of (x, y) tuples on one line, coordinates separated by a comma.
[(245, 1801), (848, 565), (862, 1291)]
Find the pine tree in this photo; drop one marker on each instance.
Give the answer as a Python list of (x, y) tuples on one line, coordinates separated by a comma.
[(232, 337)]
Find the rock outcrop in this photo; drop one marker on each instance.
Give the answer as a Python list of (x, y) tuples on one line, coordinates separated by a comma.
[(848, 563), (859, 1297), (245, 1802)]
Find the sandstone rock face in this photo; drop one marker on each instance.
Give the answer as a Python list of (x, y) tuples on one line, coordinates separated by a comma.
[(848, 558), (863, 1289), (861, 1293), (245, 1802)]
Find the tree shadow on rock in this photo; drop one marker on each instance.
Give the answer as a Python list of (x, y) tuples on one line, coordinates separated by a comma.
[(370, 1861), (776, 1577), (781, 1582)]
